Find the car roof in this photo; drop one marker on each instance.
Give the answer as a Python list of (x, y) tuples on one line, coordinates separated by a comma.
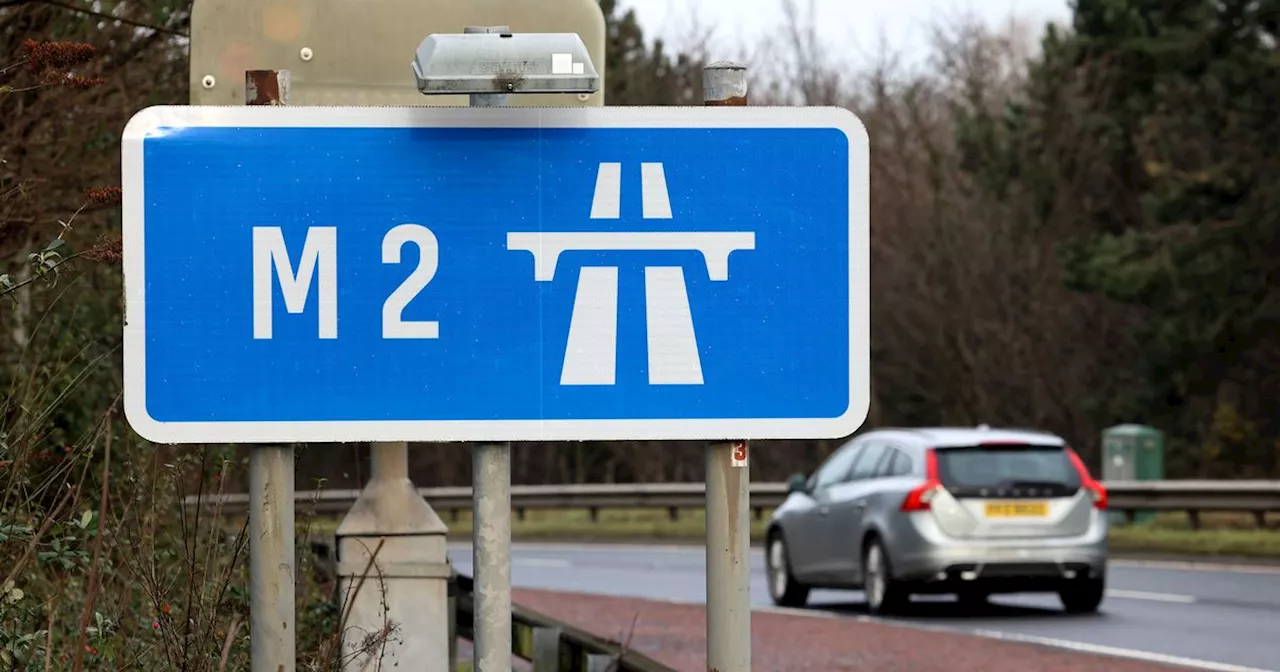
[(955, 437)]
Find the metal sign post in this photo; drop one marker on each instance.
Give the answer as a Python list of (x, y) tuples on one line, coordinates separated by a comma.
[(272, 617), (271, 559), (728, 481), (490, 62), (491, 513), (491, 556)]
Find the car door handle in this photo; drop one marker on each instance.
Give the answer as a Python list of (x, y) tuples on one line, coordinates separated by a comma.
[(823, 510), (860, 505)]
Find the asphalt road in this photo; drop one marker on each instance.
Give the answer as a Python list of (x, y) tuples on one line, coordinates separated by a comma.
[(1209, 617)]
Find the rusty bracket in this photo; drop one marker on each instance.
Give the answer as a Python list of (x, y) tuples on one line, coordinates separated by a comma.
[(266, 87)]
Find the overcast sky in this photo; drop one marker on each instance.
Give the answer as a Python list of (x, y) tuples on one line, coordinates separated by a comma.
[(850, 26)]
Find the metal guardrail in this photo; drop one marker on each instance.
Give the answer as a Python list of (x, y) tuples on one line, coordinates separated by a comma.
[(1193, 497), (551, 645), (1129, 497)]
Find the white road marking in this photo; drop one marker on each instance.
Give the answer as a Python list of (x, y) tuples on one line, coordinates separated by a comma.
[(1096, 649), (1132, 654), (1081, 647), (1153, 597), (558, 563), (1171, 598)]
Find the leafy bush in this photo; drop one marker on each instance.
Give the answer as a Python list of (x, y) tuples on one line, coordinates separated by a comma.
[(101, 565)]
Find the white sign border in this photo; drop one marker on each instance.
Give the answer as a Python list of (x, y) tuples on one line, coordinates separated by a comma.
[(157, 120)]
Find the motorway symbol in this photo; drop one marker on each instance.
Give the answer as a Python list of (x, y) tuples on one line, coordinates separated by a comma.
[(591, 349), (446, 274)]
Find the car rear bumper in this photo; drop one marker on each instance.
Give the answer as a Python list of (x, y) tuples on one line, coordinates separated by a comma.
[(942, 563)]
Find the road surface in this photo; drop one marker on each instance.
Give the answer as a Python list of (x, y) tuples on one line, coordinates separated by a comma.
[(1210, 617)]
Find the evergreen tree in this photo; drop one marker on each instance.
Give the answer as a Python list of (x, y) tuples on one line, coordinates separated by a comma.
[(636, 74), (1147, 133)]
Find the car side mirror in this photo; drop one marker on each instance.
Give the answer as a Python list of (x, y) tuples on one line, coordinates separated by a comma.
[(798, 483)]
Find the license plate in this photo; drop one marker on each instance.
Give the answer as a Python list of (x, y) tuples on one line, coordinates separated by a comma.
[(1017, 509)]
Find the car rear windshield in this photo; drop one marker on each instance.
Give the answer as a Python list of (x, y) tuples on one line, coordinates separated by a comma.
[(1011, 468)]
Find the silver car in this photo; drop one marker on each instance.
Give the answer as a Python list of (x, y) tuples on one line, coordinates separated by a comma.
[(965, 511)]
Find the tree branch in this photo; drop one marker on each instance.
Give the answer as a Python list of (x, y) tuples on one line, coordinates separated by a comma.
[(89, 12), (5, 291)]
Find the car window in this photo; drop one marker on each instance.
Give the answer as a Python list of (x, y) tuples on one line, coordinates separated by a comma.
[(867, 462), (882, 465), (1006, 466), (836, 468), (901, 464), (887, 463)]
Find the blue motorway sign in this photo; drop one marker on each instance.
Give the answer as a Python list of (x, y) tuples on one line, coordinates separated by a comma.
[(449, 274)]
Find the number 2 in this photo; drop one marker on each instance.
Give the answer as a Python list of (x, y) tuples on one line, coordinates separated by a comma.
[(393, 324)]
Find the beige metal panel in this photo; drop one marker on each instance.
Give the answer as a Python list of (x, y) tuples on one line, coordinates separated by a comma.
[(357, 52)]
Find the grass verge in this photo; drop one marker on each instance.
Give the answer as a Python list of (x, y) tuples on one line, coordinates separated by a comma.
[(1220, 534), (1174, 536)]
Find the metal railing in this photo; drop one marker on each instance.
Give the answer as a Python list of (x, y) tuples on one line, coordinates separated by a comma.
[(551, 645), (1189, 496)]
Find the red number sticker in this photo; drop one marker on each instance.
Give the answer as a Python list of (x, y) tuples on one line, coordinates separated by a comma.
[(740, 451)]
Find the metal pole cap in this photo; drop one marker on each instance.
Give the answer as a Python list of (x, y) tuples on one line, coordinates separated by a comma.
[(724, 83)]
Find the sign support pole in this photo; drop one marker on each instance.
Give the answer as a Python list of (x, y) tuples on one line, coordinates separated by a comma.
[(728, 483), (491, 559), (728, 558), (491, 518), (271, 559), (271, 545)]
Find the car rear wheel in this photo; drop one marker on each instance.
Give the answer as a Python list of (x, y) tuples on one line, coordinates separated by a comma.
[(784, 590), (885, 594), (1082, 597)]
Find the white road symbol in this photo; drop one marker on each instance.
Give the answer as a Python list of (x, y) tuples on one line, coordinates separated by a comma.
[(591, 350)]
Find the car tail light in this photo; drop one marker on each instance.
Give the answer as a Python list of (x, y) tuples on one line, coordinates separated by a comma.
[(920, 497), (1098, 492)]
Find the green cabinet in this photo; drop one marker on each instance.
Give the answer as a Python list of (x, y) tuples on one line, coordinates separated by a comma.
[(1132, 453)]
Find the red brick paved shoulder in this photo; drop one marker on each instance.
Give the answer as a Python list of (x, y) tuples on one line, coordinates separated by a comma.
[(675, 634)]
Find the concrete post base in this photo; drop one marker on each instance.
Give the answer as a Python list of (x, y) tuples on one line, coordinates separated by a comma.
[(397, 607)]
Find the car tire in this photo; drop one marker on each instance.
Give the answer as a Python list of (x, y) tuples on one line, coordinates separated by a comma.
[(784, 589), (885, 594), (1082, 597)]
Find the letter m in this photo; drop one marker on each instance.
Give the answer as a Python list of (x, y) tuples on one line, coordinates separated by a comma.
[(319, 251)]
